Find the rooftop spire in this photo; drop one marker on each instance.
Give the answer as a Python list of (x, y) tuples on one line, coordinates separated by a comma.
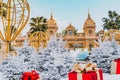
[(70, 24), (51, 17), (89, 14)]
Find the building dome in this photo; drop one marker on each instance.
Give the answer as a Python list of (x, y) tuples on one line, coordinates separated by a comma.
[(89, 22), (51, 21), (70, 26), (52, 26)]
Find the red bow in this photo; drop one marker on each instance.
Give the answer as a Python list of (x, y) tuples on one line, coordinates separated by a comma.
[(117, 60), (33, 75)]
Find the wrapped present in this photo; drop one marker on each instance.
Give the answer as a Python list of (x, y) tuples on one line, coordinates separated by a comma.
[(115, 66), (88, 71), (91, 75)]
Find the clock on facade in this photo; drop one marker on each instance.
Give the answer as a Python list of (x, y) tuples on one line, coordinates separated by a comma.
[(70, 32)]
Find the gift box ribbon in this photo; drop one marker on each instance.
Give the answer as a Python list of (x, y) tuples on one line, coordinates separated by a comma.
[(87, 67), (115, 67)]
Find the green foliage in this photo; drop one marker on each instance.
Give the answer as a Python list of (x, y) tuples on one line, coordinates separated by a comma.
[(75, 31), (64, 32), (112, 22), (38, 24)]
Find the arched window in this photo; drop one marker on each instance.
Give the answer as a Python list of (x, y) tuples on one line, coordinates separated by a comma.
[(90, 31), (51, 32)]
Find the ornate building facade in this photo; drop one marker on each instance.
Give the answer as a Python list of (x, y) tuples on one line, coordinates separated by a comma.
[(86, 39), (74, 39)]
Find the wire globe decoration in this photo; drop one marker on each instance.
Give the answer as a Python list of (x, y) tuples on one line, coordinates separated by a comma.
[(112, 34), (14, 15)]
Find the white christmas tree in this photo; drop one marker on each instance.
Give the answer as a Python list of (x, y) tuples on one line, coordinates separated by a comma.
[(52, 64), (56, 61), (13, 67), (105, 54)]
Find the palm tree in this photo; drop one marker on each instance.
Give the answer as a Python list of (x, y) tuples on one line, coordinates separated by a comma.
[(38, 24), (64, 32), (38, 28), (113, 22), (75, 31)]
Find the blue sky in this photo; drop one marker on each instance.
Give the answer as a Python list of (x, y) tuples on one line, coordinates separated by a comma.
[(74, 11)]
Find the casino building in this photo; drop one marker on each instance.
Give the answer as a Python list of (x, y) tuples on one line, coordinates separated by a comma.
[(86, 39)]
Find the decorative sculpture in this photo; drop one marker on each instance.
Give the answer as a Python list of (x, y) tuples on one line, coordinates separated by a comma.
[(15, 15)]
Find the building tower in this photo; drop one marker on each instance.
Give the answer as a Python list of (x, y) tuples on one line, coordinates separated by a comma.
[(89, 31), (52, 26), (69, 36), (70, 30)]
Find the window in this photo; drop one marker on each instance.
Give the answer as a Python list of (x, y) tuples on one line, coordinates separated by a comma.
[(70, 45), (70, 40), (51, 32), (90, 31), (78, 45), (90, 46), (81, 44)]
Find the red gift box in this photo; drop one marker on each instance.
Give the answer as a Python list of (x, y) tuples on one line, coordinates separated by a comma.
[(115, 67), (91, 75)]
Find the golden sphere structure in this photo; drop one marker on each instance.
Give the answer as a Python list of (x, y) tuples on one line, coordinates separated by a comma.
[(15, 15), (112, 34)]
